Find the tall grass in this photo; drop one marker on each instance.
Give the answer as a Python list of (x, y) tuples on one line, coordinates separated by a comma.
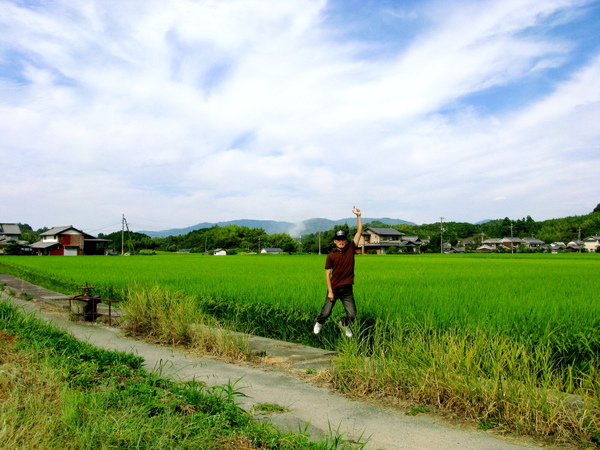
[(174, 318), (488, 377)]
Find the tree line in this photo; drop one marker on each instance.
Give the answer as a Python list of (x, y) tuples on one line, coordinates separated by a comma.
[(242, 239), (232, 238)]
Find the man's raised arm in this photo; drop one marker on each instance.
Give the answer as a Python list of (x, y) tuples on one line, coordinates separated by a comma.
[(359, 225)]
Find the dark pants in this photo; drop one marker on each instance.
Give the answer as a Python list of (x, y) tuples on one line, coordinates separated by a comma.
[(346, 295)]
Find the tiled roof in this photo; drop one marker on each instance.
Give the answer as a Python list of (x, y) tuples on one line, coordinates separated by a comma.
[(381, 231), (57, 230), (9, 228)]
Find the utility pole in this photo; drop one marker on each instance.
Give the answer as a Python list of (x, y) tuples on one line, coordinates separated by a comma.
[(442, 234), (123, 235), (123, 225), (319, 237), (512, 244)]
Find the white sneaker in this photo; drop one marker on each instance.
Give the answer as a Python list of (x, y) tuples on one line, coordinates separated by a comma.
[(346, 329), (318, 327)]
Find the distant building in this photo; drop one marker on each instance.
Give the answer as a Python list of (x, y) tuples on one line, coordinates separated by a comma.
[(272, 251), (575, 246), (592, 243), (534, 243), (512, 242), (380, 239), (67, 241), (491, 244), (219, 252), (10, 232)]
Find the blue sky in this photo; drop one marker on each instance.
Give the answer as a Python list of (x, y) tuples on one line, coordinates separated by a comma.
[(179, 112)]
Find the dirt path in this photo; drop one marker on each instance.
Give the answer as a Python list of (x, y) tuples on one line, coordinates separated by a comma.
[(317, 409)]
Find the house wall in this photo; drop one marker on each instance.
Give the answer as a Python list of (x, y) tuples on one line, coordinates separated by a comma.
[(72, 240), (591, 245), (374, 239)]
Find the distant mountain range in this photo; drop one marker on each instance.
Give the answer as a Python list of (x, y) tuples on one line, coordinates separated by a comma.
[(309, 226)]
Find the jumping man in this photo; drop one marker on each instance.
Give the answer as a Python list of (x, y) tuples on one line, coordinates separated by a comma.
[(339, 275)]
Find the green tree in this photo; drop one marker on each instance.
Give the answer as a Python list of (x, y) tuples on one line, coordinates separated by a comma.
[(506, 227), (12, 248), (30, 236), (283, 241), (129, 242)]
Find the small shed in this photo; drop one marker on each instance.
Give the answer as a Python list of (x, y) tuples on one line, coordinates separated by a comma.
[(219, 252)]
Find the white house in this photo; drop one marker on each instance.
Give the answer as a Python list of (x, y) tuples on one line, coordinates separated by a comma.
[(592, 243)]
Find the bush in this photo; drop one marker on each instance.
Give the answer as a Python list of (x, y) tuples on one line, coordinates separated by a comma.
[(12, 248)]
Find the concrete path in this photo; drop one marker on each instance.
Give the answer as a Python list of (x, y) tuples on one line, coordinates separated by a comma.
[(317, 410)]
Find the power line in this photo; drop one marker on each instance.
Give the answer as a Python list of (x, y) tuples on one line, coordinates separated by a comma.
[(104, 227)]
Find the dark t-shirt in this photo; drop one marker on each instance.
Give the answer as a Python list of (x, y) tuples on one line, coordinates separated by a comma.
[(342, 265)]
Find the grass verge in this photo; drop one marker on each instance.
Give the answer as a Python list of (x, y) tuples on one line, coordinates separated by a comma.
[(57, 392), (486, 378)]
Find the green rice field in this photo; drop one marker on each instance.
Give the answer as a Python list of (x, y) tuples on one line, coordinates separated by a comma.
[(531, 297), (471, 325)]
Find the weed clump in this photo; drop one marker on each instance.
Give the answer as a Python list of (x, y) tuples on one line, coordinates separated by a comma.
[(174, 318)]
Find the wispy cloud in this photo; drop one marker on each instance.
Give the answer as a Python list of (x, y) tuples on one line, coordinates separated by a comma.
[(187, 111)]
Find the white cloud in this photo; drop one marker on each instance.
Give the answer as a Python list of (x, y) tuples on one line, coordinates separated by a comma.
[(205, 111)]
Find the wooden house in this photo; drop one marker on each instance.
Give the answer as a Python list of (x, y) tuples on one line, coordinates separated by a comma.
[(67, 241)]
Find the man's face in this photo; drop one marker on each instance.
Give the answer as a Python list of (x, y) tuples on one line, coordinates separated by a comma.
[(340, 244)]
